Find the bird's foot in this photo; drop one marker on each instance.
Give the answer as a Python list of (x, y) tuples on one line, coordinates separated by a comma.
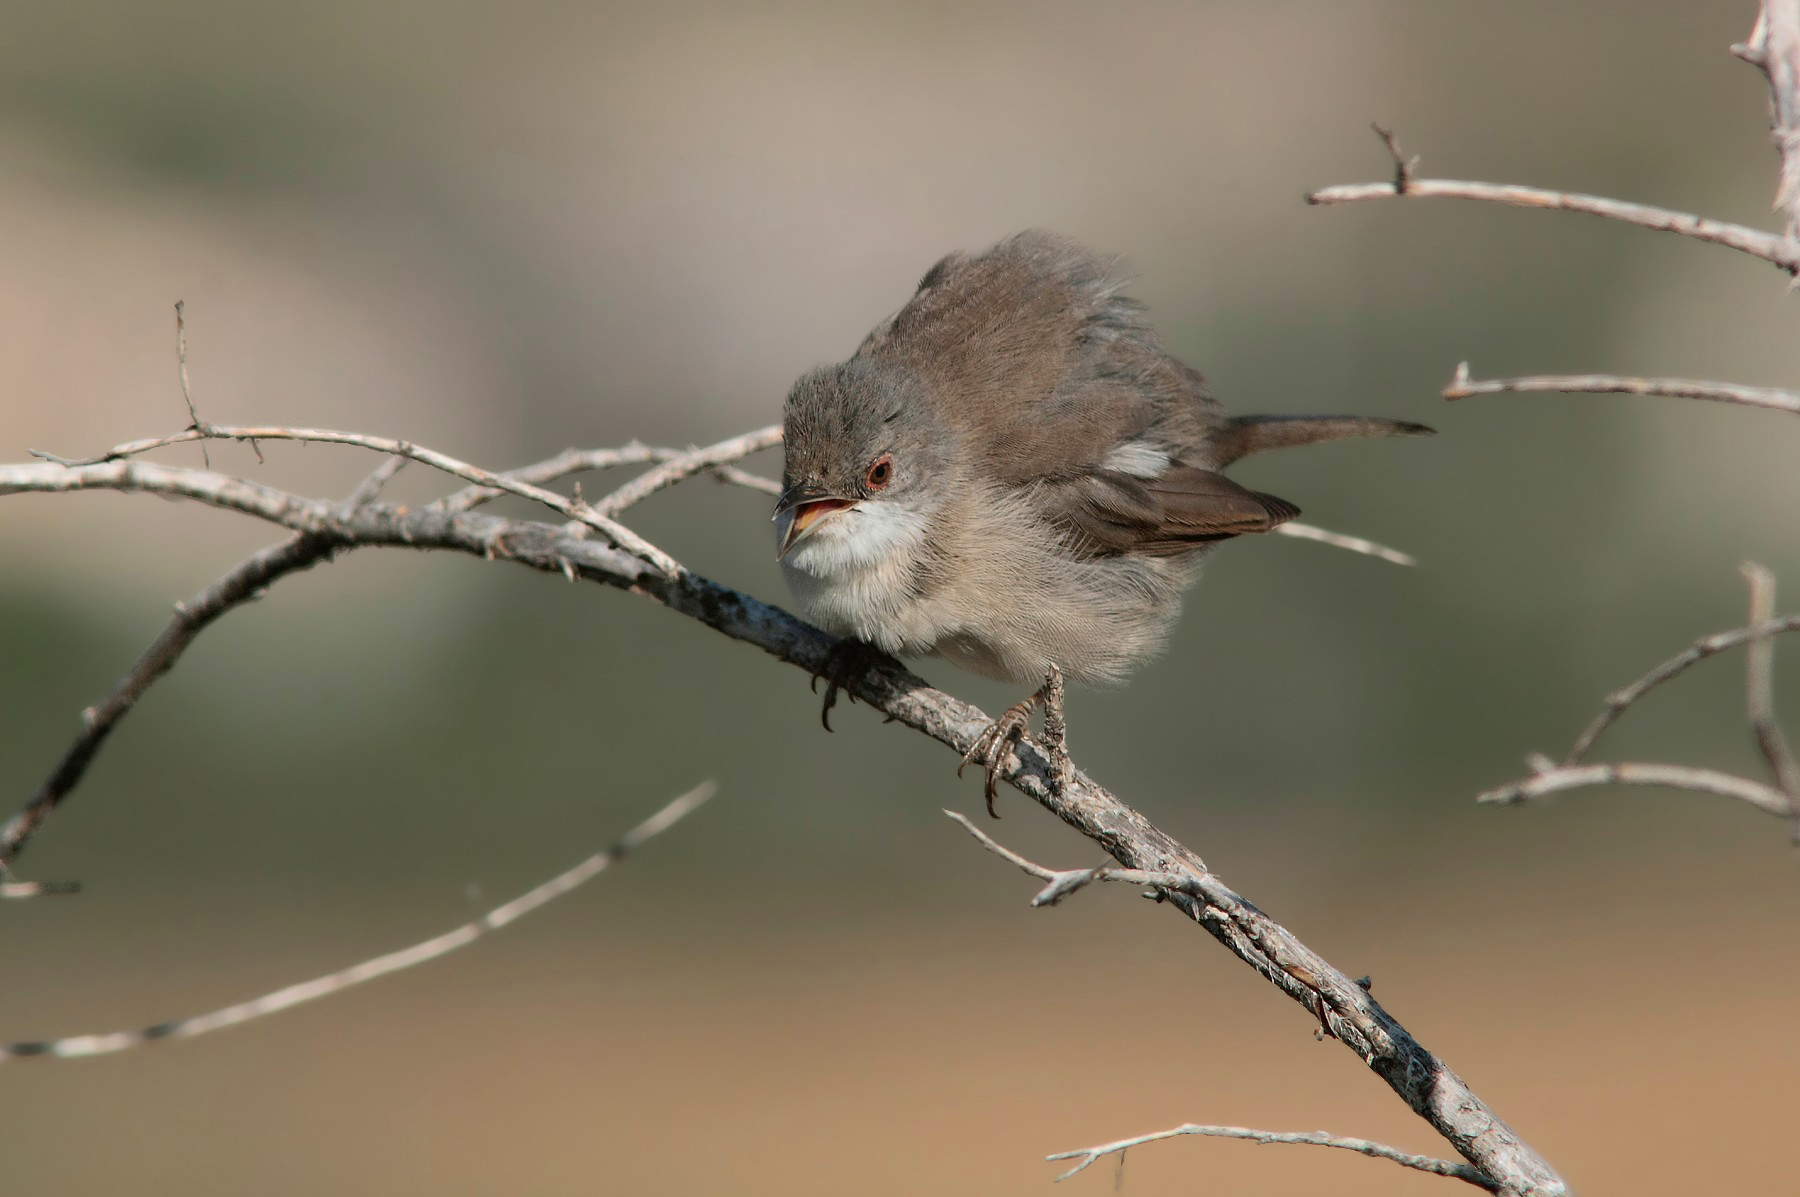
[(990, 746), (847, 660)]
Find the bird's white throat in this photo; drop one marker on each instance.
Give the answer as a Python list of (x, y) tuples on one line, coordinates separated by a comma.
[(865, 536)]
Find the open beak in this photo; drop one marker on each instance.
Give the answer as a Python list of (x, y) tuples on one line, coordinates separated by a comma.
[(800, 510)]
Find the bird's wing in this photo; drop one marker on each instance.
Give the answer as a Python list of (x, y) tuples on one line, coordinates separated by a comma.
[(1106, 513)]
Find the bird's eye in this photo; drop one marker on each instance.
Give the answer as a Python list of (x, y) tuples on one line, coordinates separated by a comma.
[(881, 472)]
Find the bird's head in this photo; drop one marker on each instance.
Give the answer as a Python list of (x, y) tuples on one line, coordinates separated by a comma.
[(864, 462)]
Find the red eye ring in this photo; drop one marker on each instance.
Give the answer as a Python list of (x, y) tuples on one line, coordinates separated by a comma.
[(881, 472)]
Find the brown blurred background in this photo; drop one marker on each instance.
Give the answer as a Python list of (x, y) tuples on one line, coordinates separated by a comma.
[(501, 230)]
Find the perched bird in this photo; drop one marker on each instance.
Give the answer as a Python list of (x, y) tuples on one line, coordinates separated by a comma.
[(1013, 474)]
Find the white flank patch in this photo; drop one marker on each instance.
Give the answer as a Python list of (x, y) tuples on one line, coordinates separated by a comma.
[(1140, 459)]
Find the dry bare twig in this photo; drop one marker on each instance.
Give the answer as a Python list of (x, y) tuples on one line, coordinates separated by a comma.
[(573, 509), (1777, 250), (289, 996), (1463, 387), (1380, 1151), (1759, 696), (1342, 1007), (1707, 646), (1549, 777), (246, 581), (1062, 883), (1558, 778), (578, 461), (1774, 47)]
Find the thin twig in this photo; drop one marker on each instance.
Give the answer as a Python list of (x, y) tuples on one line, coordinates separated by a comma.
[(181, 361), (1779, 251), (243, 583), (1699, 650), (577, 461), (1063, 882), (1759, 695), (1380, 1151), (1558, 778), (381, 966), (370, 488), (685, 466), (1354, 544), (1404, 168), (1774, 46), (1427, 1085), (616, 532), (1462, 387)]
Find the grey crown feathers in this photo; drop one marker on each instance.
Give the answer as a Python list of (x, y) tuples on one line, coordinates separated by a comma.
[(1011, 472)]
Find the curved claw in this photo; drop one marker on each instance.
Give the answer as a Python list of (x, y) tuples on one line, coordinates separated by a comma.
[(848, 658), (990, 748)]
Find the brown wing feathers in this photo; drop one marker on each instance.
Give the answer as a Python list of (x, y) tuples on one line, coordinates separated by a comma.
[(1107, 513)]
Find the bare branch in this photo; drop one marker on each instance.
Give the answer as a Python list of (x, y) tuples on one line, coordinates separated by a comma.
[(370, 488), (1404, 168), (1462, 387), (1759, 695), (577, 461), (1380, 1151), (243, 583), (574, 509), (685, 466), (1354, 544), (1675, 777), (1706, 646), (1342, 1007), (240, 585), (1774, 46), (1064, 882), (1779, 251), (187, 395), (380, 966)]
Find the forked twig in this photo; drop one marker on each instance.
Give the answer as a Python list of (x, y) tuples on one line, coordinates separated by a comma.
[(1380, 1151), (1063, 882), (1548, 777), (1779, 251), (573, 509), (240, 585)]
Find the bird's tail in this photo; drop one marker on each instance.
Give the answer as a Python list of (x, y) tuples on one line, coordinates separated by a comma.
[(1244, 435)]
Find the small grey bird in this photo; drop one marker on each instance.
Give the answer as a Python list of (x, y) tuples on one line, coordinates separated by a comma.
[(1013, 474)]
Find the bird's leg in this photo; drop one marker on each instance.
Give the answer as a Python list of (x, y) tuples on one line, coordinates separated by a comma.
[(849, 658), (990, 746)]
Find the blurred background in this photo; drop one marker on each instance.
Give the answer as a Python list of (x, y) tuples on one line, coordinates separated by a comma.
[(503, 230)]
